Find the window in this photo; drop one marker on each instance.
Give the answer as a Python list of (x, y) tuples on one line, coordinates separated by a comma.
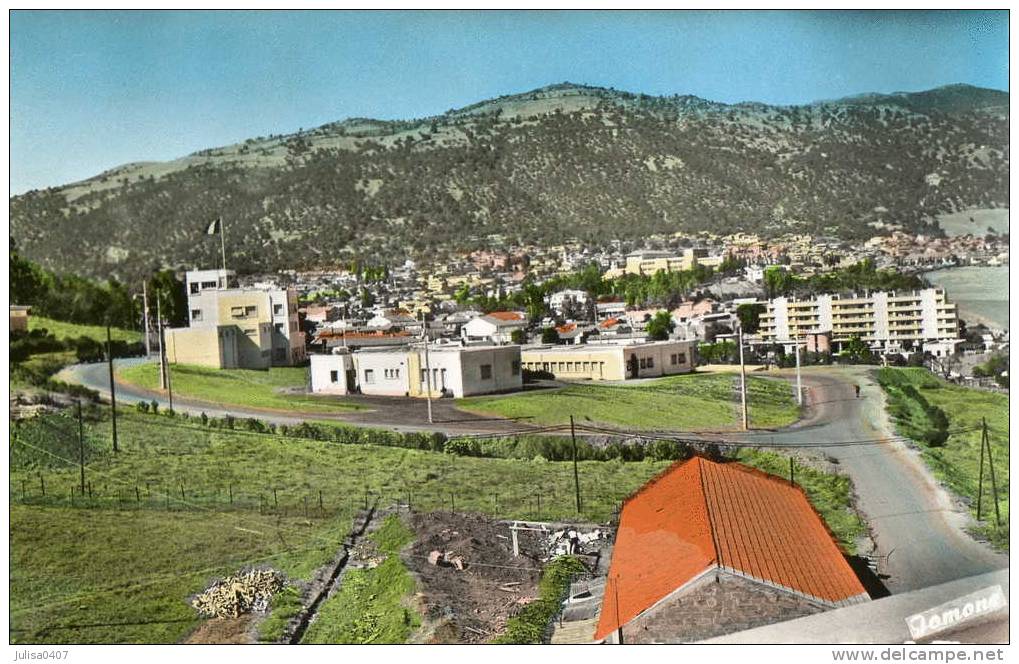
[(486, 371), (208, 284), (569, 367), (672, 358), (643, 363), (279, 328), (681, 358), (334, 376), (424, 376), (277, 309), (369, 376), (250, 311), (195, 288), (196, 314), (237, 312), (650, 363), (515, 368)]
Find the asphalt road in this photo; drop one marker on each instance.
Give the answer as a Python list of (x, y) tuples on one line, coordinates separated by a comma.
[(913, 520), (917, 529)]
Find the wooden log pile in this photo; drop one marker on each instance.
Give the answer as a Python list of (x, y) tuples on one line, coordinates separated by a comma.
[(241, 593)]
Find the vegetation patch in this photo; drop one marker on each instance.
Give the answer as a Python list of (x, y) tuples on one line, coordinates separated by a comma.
[(689, 402), (371, 605), (240, 387), (956, 463), (532, 623), (63, 330)]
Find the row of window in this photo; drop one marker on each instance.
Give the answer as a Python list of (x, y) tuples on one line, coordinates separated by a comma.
[(565, 367)]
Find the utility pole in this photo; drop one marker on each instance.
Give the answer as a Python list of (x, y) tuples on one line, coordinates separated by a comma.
[(743, 380), (81, 447), (222, 244), (428, 367), (994, 483), (159, 325), (113, 387), (799, 381), (980, 482), (145, 306), (576, 472)]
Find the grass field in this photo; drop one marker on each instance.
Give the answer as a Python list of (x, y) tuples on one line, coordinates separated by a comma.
[(147, 549), (371, 605), (240, 387), (62, 330), (110, 576), (957, 463), (690, 402)]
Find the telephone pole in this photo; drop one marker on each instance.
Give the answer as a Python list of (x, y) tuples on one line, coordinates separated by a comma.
[(799, 380), (994, 483), (743, 380), (145, 306), (576, 473), (113, 387), (162, 363), (81, 448), (428, 366)]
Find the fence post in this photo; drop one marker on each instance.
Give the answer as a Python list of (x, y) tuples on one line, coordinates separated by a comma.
[(137, 495), (42, 485)]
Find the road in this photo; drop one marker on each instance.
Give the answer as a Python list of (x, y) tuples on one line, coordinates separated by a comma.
[(913, 520)]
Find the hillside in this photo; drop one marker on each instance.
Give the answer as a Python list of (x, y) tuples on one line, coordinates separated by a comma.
[(565, 161)]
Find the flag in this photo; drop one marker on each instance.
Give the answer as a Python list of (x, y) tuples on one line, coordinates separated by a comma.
[(216, 227)]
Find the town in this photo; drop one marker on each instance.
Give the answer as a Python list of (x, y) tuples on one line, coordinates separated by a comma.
[(710, 347)]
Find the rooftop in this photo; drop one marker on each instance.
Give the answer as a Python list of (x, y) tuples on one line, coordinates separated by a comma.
[(700, 515)]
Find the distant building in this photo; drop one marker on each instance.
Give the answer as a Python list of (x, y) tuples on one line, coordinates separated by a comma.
[(885, 320), (615, 309), (648, 262), (19, 318), (610, 361), (569, 302), (707, 548), (456, 371), (818, 342), (496, 327)]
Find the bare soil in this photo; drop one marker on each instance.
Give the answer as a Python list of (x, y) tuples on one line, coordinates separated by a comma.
[(468, 606), (224, 630)]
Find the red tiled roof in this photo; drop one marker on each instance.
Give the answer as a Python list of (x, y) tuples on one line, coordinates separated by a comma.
[(567, 328), (699, 515), (506, 315), (609, 322)]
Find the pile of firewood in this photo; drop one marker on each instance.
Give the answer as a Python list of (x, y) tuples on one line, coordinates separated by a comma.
[(234, 595)]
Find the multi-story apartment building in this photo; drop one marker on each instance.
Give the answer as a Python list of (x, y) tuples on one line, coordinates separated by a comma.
[(886, 320)]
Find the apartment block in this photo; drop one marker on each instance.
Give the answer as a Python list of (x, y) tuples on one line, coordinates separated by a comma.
[(887, 320)]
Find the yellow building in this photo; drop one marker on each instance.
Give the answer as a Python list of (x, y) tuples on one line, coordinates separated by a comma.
[(19, 318), (612, 362), (649, 262), (220, 347)]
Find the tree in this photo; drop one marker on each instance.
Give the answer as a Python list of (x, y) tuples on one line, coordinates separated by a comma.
[(518, 337), (660, 326), (169, 291), (857, 352), (776, 281), (750, 316), (549, 335)]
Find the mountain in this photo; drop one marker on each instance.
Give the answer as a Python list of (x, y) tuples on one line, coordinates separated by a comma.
[(562, 162)]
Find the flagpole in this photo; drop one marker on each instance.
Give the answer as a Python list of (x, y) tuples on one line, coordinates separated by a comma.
[(222, 243)]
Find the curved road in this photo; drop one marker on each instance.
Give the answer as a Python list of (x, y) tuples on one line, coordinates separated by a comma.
[(914, 523)]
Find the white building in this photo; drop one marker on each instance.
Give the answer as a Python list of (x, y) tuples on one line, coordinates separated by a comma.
[(885, 320), (575, 300), (455, 371), (496, 327)]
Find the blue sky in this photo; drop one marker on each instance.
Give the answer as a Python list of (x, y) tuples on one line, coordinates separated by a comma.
[(92, 90)]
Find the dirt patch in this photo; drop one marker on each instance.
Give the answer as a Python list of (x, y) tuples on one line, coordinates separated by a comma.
[(471, 605), (224, 630)]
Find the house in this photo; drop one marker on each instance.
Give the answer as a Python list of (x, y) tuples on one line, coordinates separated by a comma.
[(604, 361), (686, 311), (221, 346), (611, 309), (571, 333), (496, 327), (213, 304), (569, 303), (456, 371), (19, 318), (707, 548), (393, 319), (321, 314)]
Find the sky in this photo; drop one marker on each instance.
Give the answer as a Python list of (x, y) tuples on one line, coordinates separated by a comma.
[(91, 90)]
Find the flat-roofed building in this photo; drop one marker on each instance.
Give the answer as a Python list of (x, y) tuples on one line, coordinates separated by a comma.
[(220, 347), (886, 320), (612, 361), (19, 318), (456, 371)]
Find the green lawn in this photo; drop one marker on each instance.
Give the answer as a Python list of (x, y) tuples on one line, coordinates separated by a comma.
[(372, 605), (62, 330), (109, 576), (957, 463), (689, 402), (240, 387)]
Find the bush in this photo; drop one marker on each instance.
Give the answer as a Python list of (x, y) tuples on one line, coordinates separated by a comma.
[(142, 406)]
